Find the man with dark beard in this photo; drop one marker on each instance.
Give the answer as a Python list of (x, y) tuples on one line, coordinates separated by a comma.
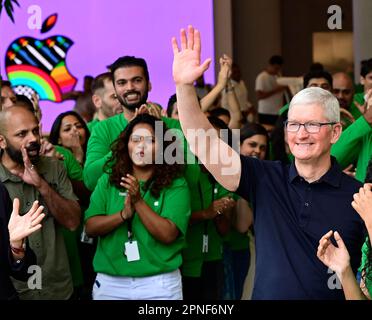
[(30, 177), (132, 85)]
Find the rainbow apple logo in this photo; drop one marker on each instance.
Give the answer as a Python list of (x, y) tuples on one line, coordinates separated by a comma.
[(34, 65)]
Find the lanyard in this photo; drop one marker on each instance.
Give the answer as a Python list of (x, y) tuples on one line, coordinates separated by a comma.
[(205, 232)]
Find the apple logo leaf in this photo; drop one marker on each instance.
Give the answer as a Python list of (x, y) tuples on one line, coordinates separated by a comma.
[(49, 23)]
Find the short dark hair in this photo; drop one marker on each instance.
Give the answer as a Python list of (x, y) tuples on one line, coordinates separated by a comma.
[(220, 125), (278, 60), (172, 100), (24, 101), (366, 67), (6, 83), (317, 74), (219, 112), (99, 81), (130, 61)]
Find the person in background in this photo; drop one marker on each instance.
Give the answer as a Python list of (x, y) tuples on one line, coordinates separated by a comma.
[(104, 99), (8, 97), (269, 92), (70, 131)]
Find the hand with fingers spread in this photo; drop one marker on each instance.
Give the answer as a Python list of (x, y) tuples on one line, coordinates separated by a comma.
[(28, 173), (335, 258), (21, 227), (186, 64), (132, 185), (363, 204)]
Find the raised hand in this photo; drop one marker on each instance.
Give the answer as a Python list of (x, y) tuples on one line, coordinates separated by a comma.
[(21, 227), (29, 173), (363, 204), (335, 258), (225, 70), (186, 63)]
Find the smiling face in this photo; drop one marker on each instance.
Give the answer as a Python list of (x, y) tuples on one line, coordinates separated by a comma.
[(131, 86), (71, 126), (142, 145), (310, 147), (254, 146)]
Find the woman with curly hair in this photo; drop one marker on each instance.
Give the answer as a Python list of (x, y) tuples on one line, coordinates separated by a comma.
[(139, 211), (338, 259)]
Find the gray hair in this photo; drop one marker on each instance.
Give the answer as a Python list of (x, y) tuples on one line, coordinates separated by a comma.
[(321, 97)]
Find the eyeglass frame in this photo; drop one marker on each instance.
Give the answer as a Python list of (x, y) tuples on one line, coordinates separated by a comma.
[(319, 125)]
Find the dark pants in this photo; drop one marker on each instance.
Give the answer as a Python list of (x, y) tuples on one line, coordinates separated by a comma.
[(236, 266), (208, 286)]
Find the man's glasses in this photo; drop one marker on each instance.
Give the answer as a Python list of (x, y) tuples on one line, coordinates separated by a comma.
[(310, 127)]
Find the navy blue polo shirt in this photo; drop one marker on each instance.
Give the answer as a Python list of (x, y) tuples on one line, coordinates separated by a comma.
[(290, 217)]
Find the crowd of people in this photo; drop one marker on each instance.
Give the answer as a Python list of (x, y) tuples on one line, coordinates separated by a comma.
[(210, 198)]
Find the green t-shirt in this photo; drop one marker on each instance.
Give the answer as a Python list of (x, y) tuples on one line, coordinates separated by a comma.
[(155, 257), (99, 145), (92, 124), (355, 146), (73, 167), (203, 192)]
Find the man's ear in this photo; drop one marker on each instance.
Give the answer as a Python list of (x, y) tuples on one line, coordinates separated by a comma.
[(336, 133), (3, 143), (97, 101), (362, 80), (149, 87)]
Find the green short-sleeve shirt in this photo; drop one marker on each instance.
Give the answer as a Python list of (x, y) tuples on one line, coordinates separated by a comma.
[(203, 192), (92, 124), (155, 257), (48, 242), (73, 167)]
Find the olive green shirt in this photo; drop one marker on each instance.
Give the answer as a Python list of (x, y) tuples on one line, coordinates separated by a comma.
[(47, 243)]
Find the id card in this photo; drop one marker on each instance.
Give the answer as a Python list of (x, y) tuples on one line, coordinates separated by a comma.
[(205, 243), (131, 251)]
